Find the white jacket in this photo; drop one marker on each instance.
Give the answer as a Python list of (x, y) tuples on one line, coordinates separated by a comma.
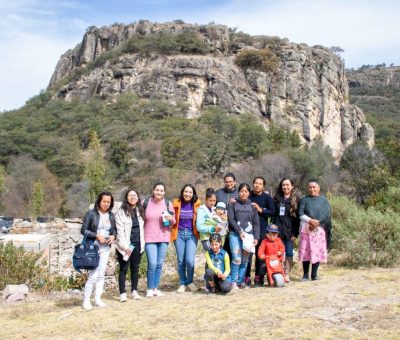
[(124, 228)]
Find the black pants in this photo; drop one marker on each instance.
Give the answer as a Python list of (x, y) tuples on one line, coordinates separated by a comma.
[(314, 269), (258, 261), (134, 263), (224, 286)]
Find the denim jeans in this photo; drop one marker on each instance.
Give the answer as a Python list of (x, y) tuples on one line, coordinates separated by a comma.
[(288, 243), (239, 258), (155, 253), (186, 247)]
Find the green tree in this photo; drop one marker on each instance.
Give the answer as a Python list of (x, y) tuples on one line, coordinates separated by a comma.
[(96, 167), (37, 199), (366, 171), (315, 162)]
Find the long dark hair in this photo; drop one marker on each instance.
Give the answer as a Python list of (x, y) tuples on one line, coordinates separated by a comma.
[(294, 196), (194, 198), (156, 185), (100, 197), (128, 208)]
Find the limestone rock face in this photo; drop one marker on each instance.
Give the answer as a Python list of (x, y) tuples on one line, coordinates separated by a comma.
[(307, 93)]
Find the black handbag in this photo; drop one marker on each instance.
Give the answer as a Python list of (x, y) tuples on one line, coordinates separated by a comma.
[(86, 255)]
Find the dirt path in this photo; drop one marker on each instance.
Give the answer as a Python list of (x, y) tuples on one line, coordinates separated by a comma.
[(355, 304)]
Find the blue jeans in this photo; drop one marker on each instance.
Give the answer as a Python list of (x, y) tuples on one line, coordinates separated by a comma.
[(288, 247), (155, 258), (239, 258), (186, 247)]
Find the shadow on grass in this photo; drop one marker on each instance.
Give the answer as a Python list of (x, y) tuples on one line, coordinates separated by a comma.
[(65, 303)]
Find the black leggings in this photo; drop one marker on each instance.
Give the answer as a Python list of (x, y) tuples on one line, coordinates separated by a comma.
[(134, 263), (258, 262), (306, 269)]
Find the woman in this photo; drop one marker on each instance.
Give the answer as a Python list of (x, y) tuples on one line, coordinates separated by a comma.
[(286, 204), (244, 233), (315, 226), (264, 204), (99, 225), (130, 241), (184, 235), (205, 214), (158, 218)]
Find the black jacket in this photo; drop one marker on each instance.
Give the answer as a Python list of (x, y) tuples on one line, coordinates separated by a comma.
[(91, 222)]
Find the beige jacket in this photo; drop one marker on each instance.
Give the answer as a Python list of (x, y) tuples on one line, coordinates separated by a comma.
[(124, 228)]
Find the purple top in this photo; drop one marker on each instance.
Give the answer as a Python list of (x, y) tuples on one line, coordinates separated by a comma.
[(186, 216)]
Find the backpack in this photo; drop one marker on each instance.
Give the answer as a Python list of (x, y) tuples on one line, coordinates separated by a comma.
[(146, 203)]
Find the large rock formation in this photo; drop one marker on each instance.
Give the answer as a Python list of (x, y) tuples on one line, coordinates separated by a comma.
[(308, 92)]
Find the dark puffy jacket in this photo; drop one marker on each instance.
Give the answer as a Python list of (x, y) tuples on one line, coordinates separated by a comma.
[(91, 222)]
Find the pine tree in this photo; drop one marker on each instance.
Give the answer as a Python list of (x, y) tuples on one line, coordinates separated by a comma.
[(96, 167)]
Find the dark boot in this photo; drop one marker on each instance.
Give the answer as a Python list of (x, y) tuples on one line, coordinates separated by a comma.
[(314, 269), (306, 268)]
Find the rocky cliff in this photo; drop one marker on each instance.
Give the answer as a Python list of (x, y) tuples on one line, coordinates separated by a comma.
[(307, 91)]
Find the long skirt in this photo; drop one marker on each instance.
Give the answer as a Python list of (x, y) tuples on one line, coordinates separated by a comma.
[(312, 244)]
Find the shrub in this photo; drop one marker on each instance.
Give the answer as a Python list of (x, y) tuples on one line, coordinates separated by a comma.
[(263, 60), (17, 266), (364, 237)]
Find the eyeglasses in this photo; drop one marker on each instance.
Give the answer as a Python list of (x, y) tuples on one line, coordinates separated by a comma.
[(133, 196)]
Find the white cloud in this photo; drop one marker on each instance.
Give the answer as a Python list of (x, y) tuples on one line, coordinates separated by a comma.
[(361, 28)]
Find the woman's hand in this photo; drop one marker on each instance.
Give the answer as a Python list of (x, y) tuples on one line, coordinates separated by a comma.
[(168, 217), (314, 223), (221, 276), (262, 257), (218, 228), (101, 239), (242, 236), (255, 242), (257, 207), (293, 238), (111, 240)]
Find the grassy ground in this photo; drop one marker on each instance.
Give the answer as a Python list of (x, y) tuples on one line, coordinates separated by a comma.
[(356, 304)]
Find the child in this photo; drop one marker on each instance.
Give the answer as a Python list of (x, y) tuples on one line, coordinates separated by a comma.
[(218, 266), (221, 217), (218, 222), (271, 246)]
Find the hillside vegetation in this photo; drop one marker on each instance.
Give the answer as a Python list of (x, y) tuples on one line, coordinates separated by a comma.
[(56, 155), (376, 90)]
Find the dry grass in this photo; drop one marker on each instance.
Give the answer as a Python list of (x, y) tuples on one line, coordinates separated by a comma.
[(355, 304)]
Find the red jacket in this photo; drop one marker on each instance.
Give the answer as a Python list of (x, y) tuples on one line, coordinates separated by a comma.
[(269, 248)]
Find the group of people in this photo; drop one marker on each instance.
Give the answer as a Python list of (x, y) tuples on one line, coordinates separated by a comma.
[(234, 224)]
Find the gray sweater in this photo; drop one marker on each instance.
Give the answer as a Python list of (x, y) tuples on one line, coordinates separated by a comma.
[(243, 217)]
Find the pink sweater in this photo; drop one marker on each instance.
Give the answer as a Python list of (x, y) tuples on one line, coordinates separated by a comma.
[(154, 231)]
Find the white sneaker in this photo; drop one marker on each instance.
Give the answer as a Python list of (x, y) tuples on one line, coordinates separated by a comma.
[(150, 293), (122, 297), (193, 287), (235, 286), (135, 295), (181, 289), (100, 303), (87, 306), (158, 293)]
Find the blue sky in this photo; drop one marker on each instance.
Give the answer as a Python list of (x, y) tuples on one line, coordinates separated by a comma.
[(36, 32)]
